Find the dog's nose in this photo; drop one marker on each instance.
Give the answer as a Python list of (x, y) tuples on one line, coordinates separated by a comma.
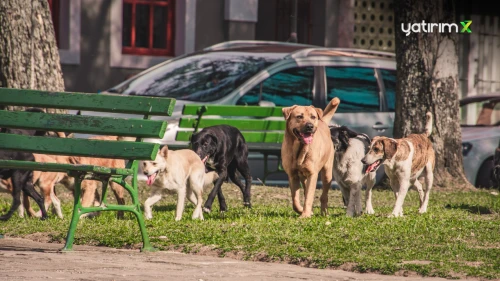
[(363, 161), (309, 126)]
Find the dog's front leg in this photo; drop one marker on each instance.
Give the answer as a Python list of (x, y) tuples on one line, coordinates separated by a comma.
[(294, 188), (217, 190), (398, 207), (355, 208), (369, 182), (152, 199), (181, 198), (309, 190)]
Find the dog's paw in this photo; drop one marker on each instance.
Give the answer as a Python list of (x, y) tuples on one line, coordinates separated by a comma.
[(305, 215), (206, 210), (369, 211), (422, 211), (4, 218), (247, 204)]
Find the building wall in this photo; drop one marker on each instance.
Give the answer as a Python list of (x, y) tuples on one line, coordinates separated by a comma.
[(210, 23), (93, 73)]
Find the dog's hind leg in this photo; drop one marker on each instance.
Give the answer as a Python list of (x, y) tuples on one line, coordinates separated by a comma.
[(26, 177), (181, 197), (194, 195), (244, 169), (245, 190), (418, 186), (429, 178)]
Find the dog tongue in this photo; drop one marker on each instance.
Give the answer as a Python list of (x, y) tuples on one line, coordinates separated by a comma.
[(308, 138), (371, 167), (204, 159), (151, 179)]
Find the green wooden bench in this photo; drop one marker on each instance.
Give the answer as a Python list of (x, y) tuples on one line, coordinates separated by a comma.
[(262, 127), (139, 127)]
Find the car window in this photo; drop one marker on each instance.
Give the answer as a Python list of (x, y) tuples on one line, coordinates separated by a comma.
[(202, 77), (286, 88), (389, 77), (482, 113), (356, 87)]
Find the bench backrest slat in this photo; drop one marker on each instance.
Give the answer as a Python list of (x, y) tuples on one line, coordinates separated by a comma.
[(91, 102), (267, 137), (80, 147), (241, 124), (248, 119), (82, 124), (231, 110)]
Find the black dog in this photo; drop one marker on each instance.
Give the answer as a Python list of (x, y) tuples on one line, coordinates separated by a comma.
[(224, 147), (22, 180)]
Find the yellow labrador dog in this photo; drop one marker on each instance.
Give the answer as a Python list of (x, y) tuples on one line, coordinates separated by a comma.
[(180, 171), (307, 150)]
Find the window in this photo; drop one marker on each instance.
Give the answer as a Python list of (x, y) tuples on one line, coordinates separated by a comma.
[(356, 87), (54, 10), (148, 27), (200, 77), (389, 77), (286, 88)]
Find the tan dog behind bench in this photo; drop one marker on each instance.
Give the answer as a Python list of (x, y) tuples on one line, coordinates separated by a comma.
[(405, 161), (307, 150)]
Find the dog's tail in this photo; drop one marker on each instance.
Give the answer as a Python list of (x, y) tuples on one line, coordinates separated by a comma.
[(330, 110), (428, 124), (209, 178)]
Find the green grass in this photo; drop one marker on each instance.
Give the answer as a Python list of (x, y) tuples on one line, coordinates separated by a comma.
[(458, 237)]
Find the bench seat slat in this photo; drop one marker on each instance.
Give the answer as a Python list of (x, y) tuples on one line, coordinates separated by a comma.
[(250, 137), (56, 167), (82, 124), (91, 102), (231, 110), (241, 124), (80, 147)]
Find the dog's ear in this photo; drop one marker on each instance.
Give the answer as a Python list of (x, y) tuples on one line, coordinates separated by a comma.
[(287, 111), (319, 111), (164, 151), (214, 139), (390, 147)]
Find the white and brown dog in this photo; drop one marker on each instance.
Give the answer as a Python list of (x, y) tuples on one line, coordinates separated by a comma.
[(180, 171), (406, 161)]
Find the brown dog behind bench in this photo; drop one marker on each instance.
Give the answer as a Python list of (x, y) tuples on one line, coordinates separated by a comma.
[(46, 181)]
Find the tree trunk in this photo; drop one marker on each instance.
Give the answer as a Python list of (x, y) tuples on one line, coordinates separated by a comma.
[(29, 58), (427, 80)]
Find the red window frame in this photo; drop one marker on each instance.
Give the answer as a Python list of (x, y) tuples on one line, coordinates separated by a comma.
[(169, 50), (54, 6)]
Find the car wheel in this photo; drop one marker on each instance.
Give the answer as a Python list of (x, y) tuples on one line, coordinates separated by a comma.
[(484, 175)]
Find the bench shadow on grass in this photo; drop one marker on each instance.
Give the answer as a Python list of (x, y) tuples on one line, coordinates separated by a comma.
[(473, 209)]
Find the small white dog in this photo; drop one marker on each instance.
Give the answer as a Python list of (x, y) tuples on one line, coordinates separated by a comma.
[(348, 170), (179, 171)]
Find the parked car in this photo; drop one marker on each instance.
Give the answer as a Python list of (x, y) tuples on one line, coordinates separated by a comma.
[(277, 74), (480, 136)]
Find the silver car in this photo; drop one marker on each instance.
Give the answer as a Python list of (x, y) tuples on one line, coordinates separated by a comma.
[(480, 136), (277, 74)]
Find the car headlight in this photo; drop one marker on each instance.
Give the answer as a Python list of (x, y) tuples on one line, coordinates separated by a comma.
[(466, 148)]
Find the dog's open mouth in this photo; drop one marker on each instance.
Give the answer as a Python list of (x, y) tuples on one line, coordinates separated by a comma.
[(306, 138), (204, 160), (151, 178), (373, 166)]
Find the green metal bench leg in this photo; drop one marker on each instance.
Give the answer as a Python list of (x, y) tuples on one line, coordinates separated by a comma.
[(146, 245), (76, 216)]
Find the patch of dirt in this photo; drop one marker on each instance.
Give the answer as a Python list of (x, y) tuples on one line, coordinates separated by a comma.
[(417, 262)]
